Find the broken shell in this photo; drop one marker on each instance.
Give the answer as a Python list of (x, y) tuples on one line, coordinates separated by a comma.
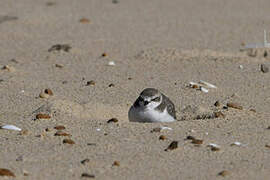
[(85, 161), (190, 138), (90, 83), (44, 95), (172, 146), (10, 127), (112, 120), (204, 89), (61, 133), (48, 91), (197, 141), (68, 141), (59, 127), (208, 84), (9, 68), (219, 115), (223, 173), (111, 63), (43, 116), (234, 105)]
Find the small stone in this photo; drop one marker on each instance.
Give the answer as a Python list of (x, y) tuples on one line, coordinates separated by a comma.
[(60, 47), (253, 110), (61, 133), (85, 161), (9, 68), (157, 129), (116, 163), (129, 78), (265, 54), (86, 175), (6, 172), (44, 95), (68, 141), (115, 1), (84, 21), (264, 68), (217, 104), (48, 130), (267, 146), (111, 85), (195, 86), (219, 115), (213, 148), (114, 120), (59, 127), (268, 127), (48, 91), (235, 105), (223, 173), (90, 83), (172, 146), (197, 141), (43, 116), (162, 137), (104, 54)]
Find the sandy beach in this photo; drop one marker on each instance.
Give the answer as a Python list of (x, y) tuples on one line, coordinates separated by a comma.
[(68, 67)]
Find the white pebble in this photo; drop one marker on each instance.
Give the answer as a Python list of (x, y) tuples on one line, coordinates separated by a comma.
[(204, 89), (111, 63)]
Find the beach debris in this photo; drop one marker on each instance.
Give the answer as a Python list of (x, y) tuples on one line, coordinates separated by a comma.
[(111, 63), (194, 85), (241, 67), (6, 172), (162, 137), (43, 116), (84, 21), (44, 95), (190, 138), (98, 129), (197, 141), (8, 68), (61, 133), (223, 173), (236, 143), (85, 161), (204, 89), (86, 175), (207, 84), (68, 141), (113, 120), (172, 146), (264, 68), (267, 146), (90, 83), (214, 147), (234, 105), (59, 127), (60, 47), (116, 163), (159, 129), (10, 127)]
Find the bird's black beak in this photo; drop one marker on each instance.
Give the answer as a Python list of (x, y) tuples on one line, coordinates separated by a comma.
[(145, 103)]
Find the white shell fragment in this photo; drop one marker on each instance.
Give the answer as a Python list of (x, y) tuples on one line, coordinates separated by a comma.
[(213, 145), (111, 63), (237, 143), (165, 128), (208, 84), (11, 127), (204, 89)]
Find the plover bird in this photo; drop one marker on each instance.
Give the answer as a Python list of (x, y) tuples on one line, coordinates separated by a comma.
[(152, 106)]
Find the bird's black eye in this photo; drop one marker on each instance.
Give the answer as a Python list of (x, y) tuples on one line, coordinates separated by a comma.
[(157, 99)]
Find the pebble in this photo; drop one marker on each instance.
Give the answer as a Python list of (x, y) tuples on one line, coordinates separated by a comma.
[(197, 141), (190, 138), (235, 105), (48, 91), (86, 175), (213, 148), (68, 141), (24, 132), (6, 172), (217, 104), (84, 21), (59, 66), (116, 163), (172, 146), (111, 85), (219, 115), (43, 116), (104, 54), (264, 68), (59, 127), (162, 137), (60, 47), (114, 120), (267, 146), (44, 95)]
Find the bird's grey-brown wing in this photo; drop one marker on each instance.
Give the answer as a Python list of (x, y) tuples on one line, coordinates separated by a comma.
[(170, 106)]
